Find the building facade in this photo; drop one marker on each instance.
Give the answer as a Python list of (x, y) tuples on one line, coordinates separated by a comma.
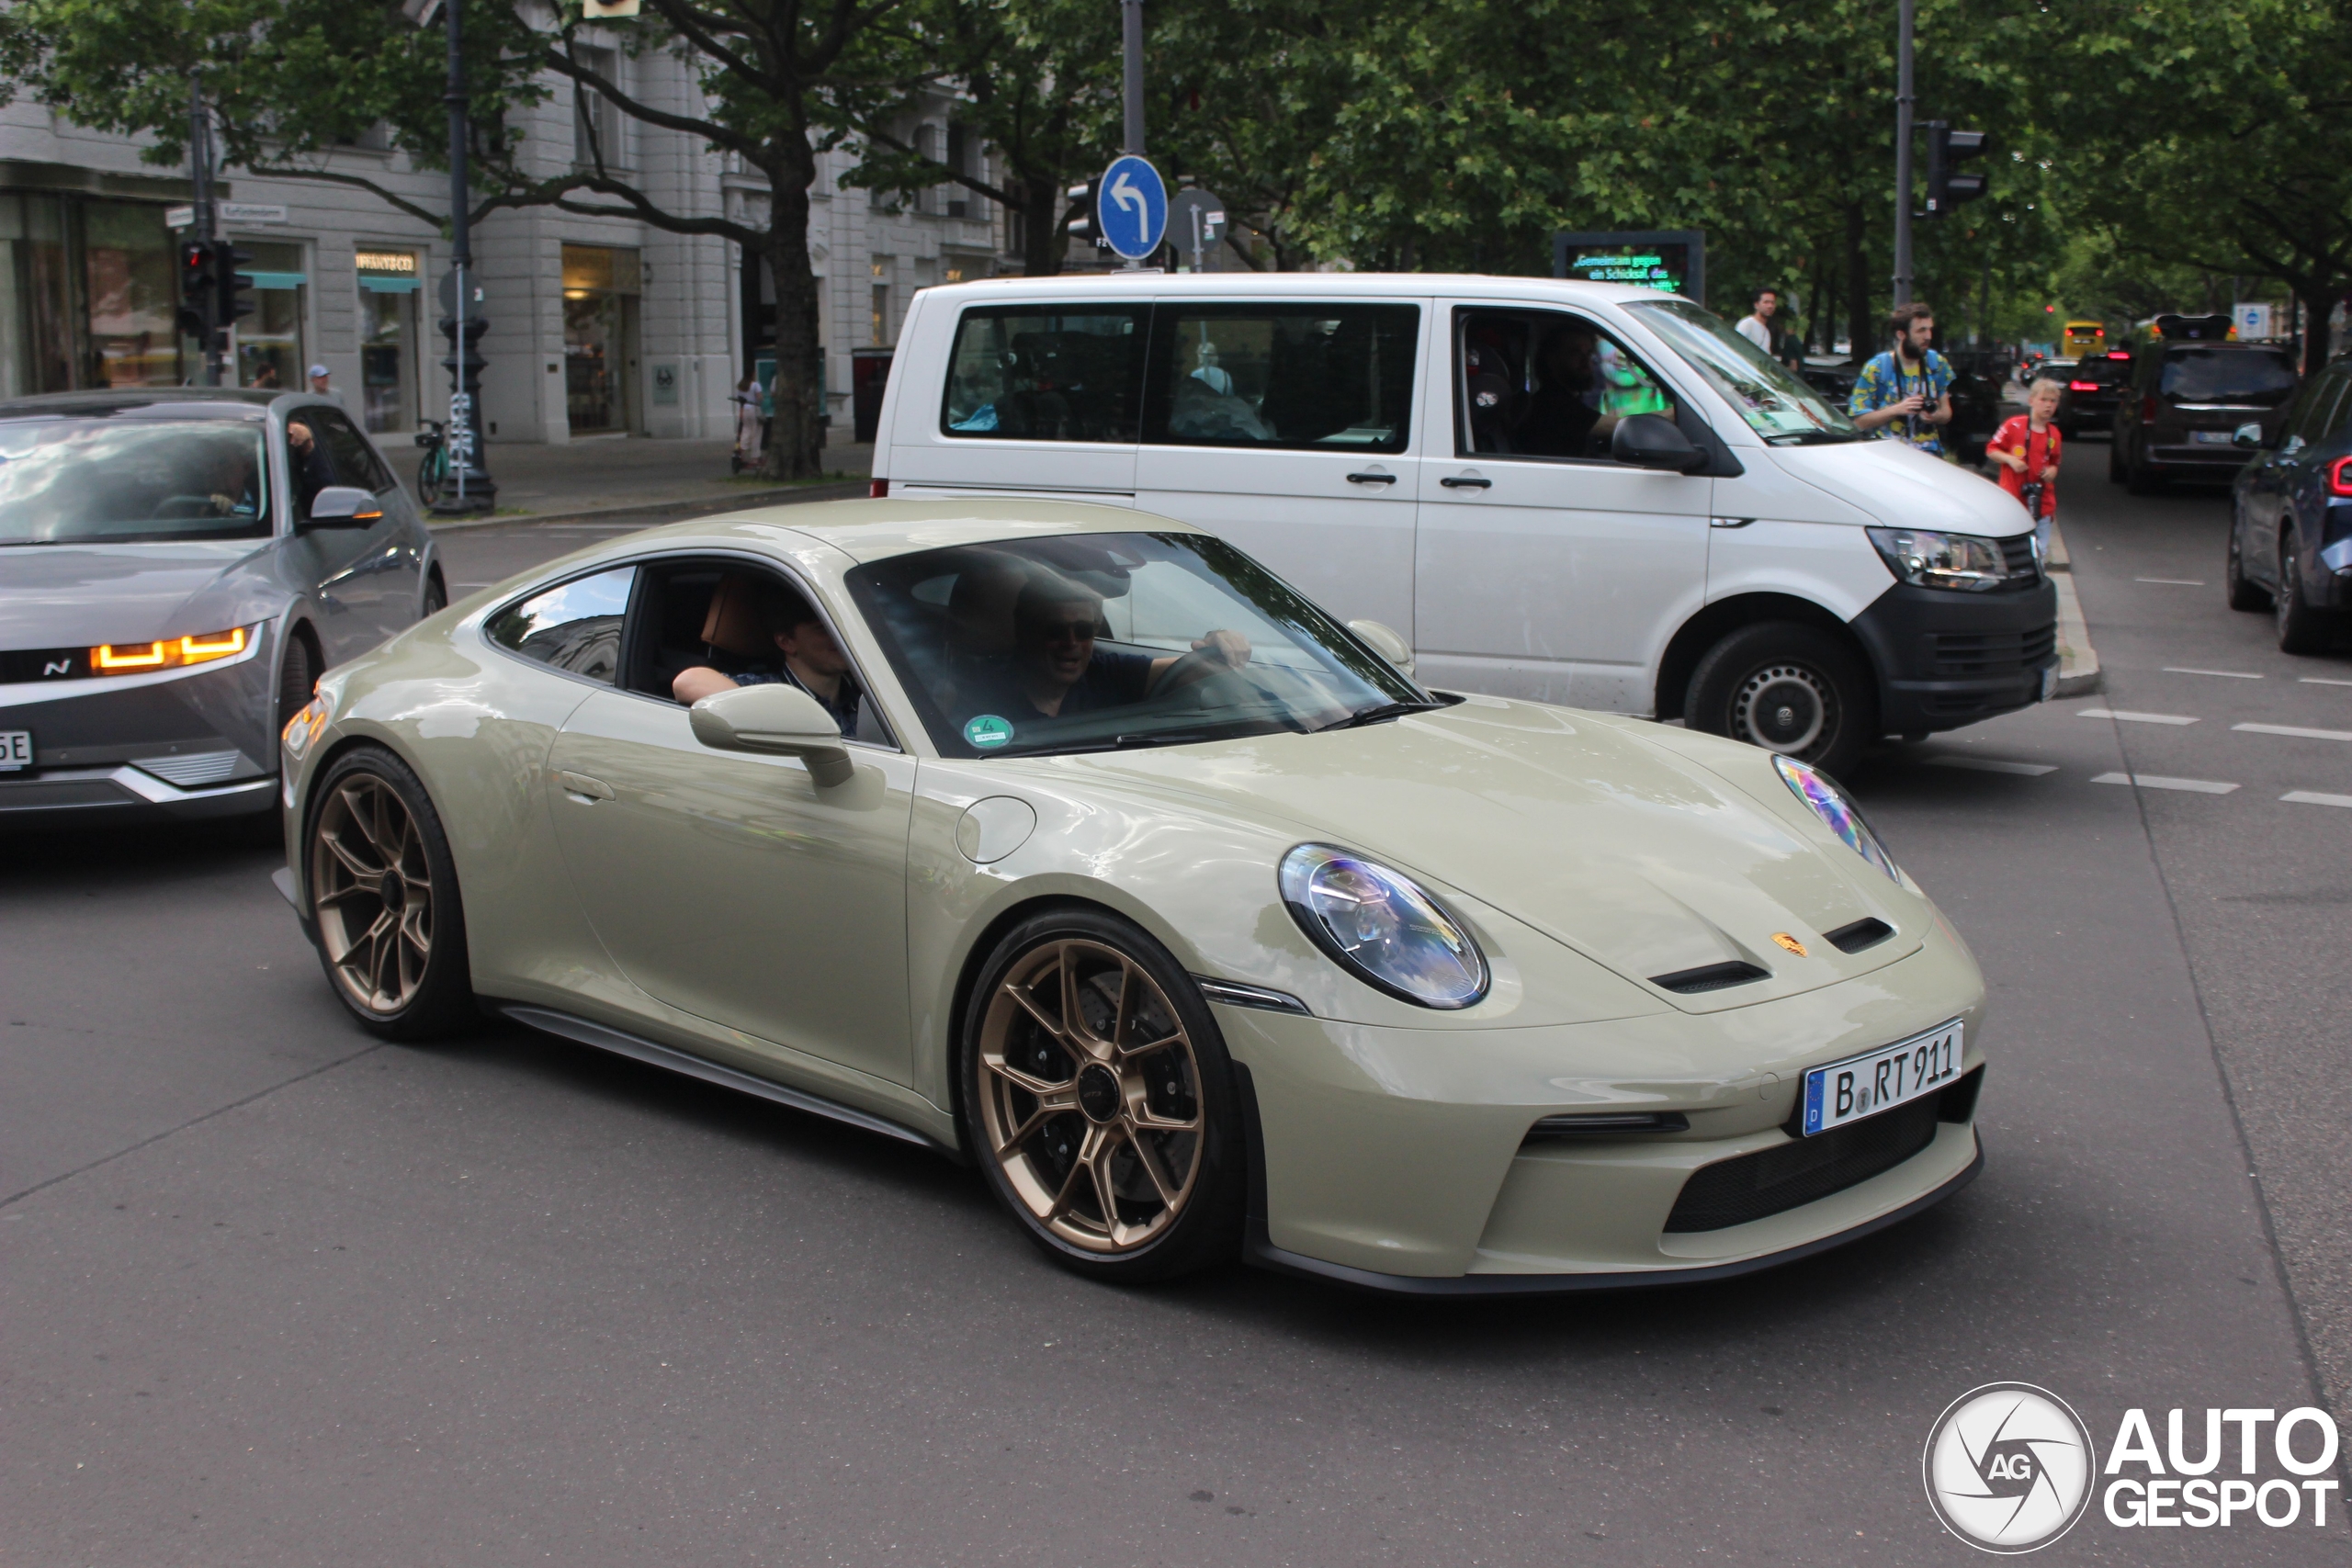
[(598, 326)]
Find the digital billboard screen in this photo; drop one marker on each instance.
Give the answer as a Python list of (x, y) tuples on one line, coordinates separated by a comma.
[(1670, 261)]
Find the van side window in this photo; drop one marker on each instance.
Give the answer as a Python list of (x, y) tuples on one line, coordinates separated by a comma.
[(574, 626), (1299, 376), (1045, 373), (1546, 384)]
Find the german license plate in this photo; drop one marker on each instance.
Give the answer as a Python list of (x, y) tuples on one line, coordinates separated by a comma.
[(15, 750), (1881, 1079), (2213, 437)]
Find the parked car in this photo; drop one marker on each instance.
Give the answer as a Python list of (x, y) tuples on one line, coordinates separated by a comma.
[(1978, 383), (2094, 391), (1833, 375), (176, 567), (2291, 513), (1181, 910), (2186, 405), (1567, 491)]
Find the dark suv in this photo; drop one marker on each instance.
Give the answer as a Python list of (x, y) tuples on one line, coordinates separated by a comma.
[(2290, 514), (2094, 391), (2180, 416)]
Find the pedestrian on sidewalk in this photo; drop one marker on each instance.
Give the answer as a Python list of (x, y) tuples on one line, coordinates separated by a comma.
[(1904, 394), (2026, 446), (748, 426), (1757, 326)]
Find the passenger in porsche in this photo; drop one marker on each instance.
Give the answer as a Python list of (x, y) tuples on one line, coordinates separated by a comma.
[(810, 659)]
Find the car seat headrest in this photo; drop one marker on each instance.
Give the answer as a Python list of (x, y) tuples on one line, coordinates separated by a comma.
[(733, 623)]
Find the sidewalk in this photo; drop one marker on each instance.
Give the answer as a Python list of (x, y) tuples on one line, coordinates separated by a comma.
[(632, 474)]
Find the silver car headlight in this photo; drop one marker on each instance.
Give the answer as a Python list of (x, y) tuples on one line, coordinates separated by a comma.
[(1813, 786), (1926, 559), (1381, 927)]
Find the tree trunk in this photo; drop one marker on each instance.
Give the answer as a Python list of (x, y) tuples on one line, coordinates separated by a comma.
[(1860, 328), (797, 438), (2318, 297), (1045, 240)]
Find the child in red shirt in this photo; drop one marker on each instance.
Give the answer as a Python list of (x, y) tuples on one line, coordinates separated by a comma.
[(2026, 447)]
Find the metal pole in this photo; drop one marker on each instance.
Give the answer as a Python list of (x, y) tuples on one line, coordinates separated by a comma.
[(1905, 102), (200, 157), (1131, 28), (476, 491)]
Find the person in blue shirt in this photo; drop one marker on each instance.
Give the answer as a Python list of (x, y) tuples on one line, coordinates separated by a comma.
[(1904, 394), (809, 658), (1058, 672)]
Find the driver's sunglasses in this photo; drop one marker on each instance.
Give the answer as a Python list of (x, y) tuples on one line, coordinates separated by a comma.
[(1065, 631)]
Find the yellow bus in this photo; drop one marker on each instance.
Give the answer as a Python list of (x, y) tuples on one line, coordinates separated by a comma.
[(2083, 339)]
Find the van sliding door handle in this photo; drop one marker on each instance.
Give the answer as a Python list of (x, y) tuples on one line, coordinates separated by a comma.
[(1464, 482), (1371, 479)]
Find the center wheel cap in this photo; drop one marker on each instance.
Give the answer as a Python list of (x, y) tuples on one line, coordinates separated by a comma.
[(1098, 1094), (392, 894)]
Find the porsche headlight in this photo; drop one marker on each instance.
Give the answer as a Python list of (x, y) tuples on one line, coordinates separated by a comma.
[(1926, 559), (1812, 786), (1380, 926)]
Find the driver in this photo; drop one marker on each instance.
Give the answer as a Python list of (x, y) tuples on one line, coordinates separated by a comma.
[(236, 490), (1058, 670)]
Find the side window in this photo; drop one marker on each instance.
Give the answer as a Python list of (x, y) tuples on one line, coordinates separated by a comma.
[(355, 461), (2311, 419), (575, 627), (1301, 376), (1545, 384), (2332, 409), (1045, 373)]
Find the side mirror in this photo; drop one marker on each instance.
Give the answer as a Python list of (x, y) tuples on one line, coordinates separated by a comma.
[(1386, 643), (2247, 434), (777, 719), (343, 506), (1653, 441)]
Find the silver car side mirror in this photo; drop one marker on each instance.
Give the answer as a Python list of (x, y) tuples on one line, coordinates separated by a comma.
[(1386, 643), (778, 719), (2247, 434), (343, 506)]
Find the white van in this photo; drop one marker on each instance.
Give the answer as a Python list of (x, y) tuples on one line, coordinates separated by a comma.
[(1573, 492)]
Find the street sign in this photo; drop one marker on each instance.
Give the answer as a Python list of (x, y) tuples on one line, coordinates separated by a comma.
[(1131, 207), (448, 294), (180, 218), (1196, 228), (2253, 322)]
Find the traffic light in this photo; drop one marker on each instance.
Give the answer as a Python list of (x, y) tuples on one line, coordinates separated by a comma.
[(230, 287), (195, 290), (1083, 224), (1946, 147)]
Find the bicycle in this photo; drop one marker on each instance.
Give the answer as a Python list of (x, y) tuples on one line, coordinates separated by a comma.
[(432, 470)]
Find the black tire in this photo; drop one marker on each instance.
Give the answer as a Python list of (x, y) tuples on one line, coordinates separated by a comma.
[(348, 828), (1788, 688), (437, 597), (298, 675), (2301, 627), (2143, 479), (2115, 471), (2244, 592), (430, 476), (1043, 1164)]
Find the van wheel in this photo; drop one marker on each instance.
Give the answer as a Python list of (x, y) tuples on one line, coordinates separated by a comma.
[(1787, 688), (2244, 593), (2301, 627)]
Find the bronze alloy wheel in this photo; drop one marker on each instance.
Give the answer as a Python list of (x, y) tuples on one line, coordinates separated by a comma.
[(371, 887), (1089, 1097)]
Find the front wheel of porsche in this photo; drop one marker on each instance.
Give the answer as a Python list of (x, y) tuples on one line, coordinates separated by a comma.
[(383, 892), (1099, 1100)]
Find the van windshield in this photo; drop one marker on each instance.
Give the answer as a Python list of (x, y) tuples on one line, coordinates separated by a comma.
[(1777, 404)]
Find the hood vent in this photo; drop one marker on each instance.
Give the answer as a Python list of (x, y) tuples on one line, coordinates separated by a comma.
[(1709, 978), (1859, 935)]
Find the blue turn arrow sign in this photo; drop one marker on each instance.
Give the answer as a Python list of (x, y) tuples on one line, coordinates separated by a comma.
[(1131, 206)]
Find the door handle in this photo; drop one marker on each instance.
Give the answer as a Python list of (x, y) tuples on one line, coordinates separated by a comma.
[(1729, 521), (580, 786), (1465, 481), (1371, 479)]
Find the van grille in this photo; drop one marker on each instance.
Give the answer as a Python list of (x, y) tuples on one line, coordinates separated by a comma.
[(2017, 553), (1965, 656)]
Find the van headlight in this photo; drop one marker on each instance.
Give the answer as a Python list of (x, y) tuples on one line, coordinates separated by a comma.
[(1927, 559), (1381, 927), (1812, 785)]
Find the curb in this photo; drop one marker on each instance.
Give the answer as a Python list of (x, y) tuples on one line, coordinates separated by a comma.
[(2077, 660), (842, 490)]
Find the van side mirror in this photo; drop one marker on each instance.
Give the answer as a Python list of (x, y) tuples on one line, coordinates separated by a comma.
[(1653, 441), (2247, 434), (1386, 642), (779, 720), (343, 506)]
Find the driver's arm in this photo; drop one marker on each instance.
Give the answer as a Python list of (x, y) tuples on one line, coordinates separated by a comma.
[(1213, 653), (693, 685)]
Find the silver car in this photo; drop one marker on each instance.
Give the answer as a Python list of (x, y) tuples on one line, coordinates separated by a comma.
[(176, 568)]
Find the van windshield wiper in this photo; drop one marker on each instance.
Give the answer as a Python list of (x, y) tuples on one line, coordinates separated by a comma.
[(1379, 715)]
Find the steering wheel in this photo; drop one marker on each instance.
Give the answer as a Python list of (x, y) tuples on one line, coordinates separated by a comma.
[(178, 506)]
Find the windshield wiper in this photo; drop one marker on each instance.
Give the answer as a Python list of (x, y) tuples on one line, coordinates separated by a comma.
[(1379, 715)]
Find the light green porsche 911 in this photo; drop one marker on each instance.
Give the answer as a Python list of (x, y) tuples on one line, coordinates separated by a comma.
[(1066, 840)]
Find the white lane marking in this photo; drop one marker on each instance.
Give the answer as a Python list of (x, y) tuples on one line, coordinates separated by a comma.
[(2233, 674), (2322, 681), (2127, 716), (2314, 797), (1994, 765), (2158, 780), (2294, 729), (2174, 582)]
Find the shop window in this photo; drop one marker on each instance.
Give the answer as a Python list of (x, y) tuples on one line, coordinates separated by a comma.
[(391, 284), (600, 299), (270, 342)]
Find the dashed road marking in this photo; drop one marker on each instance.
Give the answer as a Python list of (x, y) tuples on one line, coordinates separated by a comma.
[(2233, 674), (2296, 730), (2314, 797), (2127, 716), (2322, 681), (2158, 780), (1994, 765), (2174, 582)]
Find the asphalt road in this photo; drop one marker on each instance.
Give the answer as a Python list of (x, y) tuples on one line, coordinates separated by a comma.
[(271, 1293)]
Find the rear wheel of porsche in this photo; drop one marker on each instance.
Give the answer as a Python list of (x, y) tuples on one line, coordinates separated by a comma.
[(384, 899), (1099, 1100)]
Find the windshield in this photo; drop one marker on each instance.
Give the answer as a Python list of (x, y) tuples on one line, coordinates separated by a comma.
[(2227, 375), (118, 481), (1777, 405), (1094, 641)]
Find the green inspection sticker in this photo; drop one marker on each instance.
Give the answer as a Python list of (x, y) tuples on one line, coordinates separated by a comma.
[(987, 732)]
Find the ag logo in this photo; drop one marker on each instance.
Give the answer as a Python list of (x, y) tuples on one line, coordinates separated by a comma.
[(2009, 1467)]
